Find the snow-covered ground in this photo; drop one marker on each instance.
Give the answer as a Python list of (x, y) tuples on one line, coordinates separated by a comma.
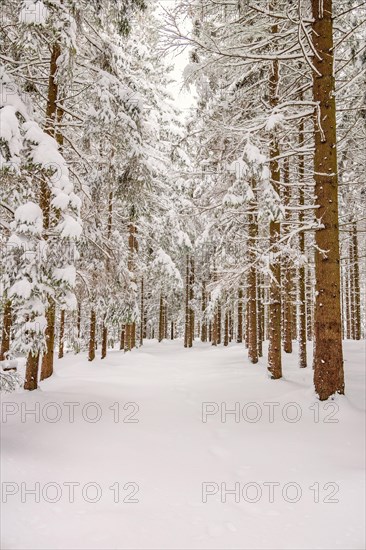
[(171, 467)]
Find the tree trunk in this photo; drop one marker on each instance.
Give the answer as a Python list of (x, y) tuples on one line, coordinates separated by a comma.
[(47, 359), (204, 305), (45, 204), (239, 336), (219, 323), (61, 335), (187, 311), (328, 353), (161, 319), (288, 269), (191, 310), (274, 321), (78, 322), (104, 341), (348, 295), (302, 276), (92, 342), (356, 285), (252, 282), (260, 317), (226, 324), (6, 330), (31, 373), (122, 338), (142, 314)]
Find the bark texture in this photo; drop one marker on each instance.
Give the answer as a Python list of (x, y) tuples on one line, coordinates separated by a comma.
[(328, 353)]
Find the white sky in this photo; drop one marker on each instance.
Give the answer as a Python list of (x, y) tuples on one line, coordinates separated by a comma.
[(184, 98)]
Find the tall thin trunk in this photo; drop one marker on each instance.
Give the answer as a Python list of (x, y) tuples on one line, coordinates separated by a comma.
[(252, 281), (226, 328), (302, 276), (161, 318), (203, 307), (78, 321), (309, 305), (231, 326), (348, 293), (274, 349), (239, 335), (61, 335), (52, 115), (191, 310), (165, 320), (47, 359), (187, 312), (219, 323), (92, 334), (142, 313), (356, 285), (122, 338), (104, 341), (328, 353), (260, 312), (215, 329), (288, 268), (6, 330), (133, 249)]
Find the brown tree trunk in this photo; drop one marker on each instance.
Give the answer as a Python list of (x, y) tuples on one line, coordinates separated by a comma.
[(45, 204), (104, 341), (187, 329), (328, 353), (61, 335), (239, 336), (288, 268), (215, 328), (302, 276), (78, 321), (356, 286), (47, 359), (231, 326), (348, 296), (260, 317), (92, 334), (226, 326), (161, 319), (191, 310), (204, 305), (309, 306), (122, 338), (252, 282), (219, 323), (6, 330), (274, 321), (31, 372), (142, 313)]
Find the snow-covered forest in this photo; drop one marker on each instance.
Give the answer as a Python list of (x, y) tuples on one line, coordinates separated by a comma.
[(182, 312)]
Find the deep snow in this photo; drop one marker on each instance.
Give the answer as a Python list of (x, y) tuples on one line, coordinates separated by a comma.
[(170, 452)]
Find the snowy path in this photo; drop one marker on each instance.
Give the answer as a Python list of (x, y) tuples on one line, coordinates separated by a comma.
[(169, 453)]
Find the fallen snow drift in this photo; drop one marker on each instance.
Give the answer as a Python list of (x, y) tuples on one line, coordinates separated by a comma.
[(129, 433)]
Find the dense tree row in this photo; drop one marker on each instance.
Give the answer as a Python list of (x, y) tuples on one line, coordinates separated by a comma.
[(119, 224)]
